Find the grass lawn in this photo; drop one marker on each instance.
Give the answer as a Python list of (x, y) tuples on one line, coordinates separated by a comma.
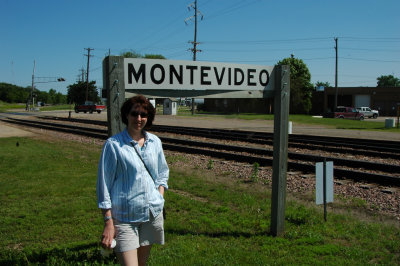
[(57, 107), (10, 106), (48, 215)]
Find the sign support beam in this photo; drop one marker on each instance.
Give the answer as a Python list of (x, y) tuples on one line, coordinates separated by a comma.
[(280, 152), (113, 82)]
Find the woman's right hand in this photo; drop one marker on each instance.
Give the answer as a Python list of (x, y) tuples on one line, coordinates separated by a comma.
[(108, 234)]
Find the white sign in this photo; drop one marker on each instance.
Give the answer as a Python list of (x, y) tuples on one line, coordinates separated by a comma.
[(319, 173), (145, 74)]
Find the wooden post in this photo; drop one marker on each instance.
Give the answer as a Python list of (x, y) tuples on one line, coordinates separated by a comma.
[(280, 152), (113, 82), (324, 187)]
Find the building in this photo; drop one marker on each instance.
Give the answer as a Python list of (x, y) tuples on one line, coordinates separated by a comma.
[(170, 106), (383, 99), (260, 106)]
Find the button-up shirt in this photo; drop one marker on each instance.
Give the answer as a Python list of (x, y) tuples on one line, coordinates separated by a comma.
[(123, 183)]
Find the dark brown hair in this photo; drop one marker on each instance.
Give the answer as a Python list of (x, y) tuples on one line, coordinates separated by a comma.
[(144, 103)]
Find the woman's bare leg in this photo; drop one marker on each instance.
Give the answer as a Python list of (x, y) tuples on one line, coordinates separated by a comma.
[(128, 258), (143, 254)]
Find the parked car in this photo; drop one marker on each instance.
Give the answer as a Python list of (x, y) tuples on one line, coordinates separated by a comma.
[(368, 112), (345, 113)]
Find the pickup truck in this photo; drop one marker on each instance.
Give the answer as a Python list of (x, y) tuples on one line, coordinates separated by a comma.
[(89, 107), (345, 113), (368, 112)]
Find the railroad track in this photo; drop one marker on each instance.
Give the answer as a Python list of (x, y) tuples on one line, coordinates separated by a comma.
[(385, 149), (344, 168)]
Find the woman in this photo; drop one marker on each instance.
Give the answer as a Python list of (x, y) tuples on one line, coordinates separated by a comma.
[(131, 198)]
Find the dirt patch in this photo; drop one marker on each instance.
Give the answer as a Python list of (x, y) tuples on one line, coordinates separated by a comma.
[(7, 131), (188, 195)]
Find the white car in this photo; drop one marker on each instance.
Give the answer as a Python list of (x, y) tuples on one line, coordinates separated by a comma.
[(368, 112)]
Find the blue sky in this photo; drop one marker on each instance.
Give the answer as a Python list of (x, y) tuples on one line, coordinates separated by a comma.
[(55, 34)]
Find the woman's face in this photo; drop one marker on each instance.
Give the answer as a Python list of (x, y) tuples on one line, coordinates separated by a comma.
[(137, 118)]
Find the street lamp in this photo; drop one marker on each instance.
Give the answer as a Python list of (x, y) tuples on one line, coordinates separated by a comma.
[(41, 80)]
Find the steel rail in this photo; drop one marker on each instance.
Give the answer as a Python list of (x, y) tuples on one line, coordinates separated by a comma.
[(58, 127), (295, 140), (291, 155), (183, 147), (380, 179)]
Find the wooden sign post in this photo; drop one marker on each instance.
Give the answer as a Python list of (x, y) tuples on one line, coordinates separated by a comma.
[(280, 152)]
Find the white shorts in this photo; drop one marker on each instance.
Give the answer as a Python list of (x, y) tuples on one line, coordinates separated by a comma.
[(131, 236)]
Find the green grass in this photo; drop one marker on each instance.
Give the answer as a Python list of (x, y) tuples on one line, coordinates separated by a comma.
[(10, 106), (57, 107), (48, 216), (4, 107), (367, 124)]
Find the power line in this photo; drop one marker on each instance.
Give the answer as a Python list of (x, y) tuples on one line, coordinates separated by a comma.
[(267, 50), (375, 39), (269, 41), (234, 7), (371, 60), (372, 50)]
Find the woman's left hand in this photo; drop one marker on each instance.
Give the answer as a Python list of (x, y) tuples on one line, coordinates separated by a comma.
[(108, 234), (161, 190)]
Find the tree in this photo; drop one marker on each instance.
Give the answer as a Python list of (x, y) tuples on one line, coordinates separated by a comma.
[(301, 88), (388, 81), (133, 54), (14, 94), (154, 56), (60, 98), (322, 84), (77, 93), (51, 96)]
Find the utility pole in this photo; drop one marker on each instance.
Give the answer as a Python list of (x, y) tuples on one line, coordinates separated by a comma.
[(87, 71), (83, 74), (195, 43), (33, 84), (336, 73)]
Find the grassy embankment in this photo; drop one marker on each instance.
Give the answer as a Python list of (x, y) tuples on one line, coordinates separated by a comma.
[(367, 124), (4, 107), (9, 107), (48, 215)]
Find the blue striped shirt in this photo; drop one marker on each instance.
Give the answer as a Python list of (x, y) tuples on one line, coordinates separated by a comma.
[(123, 183)]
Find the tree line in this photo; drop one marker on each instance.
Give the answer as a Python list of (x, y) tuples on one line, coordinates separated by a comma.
[(11, 93)]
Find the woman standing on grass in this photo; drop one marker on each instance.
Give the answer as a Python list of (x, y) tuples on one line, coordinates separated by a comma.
[(131, 198)]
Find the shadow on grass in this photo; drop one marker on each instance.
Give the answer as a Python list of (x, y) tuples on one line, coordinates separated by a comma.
[(218, 234), (89, 253), (76, 254), (362, 128)]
